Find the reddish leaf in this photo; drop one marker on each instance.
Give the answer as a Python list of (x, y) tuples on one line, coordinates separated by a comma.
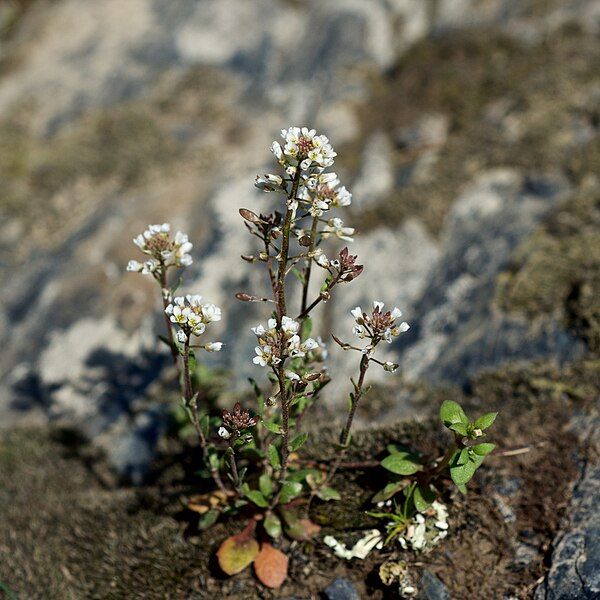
[(299, 529), (271, 566), (238, 551)]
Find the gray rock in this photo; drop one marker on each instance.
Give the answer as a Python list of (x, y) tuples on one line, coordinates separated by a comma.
[(341, 589), (431, 588), (376, 176), (575, 565), (458, 329)]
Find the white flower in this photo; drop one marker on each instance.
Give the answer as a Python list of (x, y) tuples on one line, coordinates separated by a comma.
[(322, 260), (310, 344), (264, 356), (292, 376), (289, 326), (259, 330), (357, 313), (224, 433), (135, 266), (378, 305), (269, 183), (211, 313), (396, 313), (177, 313), (336, 227), (213, 346), (181, 336), (390, 367), (150, 267), (359, 331)]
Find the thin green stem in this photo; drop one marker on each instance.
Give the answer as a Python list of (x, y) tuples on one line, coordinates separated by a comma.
[(192, 403), (308, 269)]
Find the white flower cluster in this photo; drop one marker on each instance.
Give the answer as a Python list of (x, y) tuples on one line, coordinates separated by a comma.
[(277, 344), (193, 316), (303, 148), (322, 191), (379, 325), (165, 252)]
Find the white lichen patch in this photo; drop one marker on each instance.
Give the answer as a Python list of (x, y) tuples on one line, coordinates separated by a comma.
[(361, 549), (426, 529)]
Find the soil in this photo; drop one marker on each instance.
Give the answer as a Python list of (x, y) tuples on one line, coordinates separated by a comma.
[(65, 534)]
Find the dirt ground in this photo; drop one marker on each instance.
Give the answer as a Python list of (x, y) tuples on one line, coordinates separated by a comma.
[(66, 534)]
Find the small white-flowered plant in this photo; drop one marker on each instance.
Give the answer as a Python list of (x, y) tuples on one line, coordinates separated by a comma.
[(192, 316), (164, 251)]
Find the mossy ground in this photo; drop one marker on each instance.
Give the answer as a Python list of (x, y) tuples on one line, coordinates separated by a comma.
[(508, 103), (65, 535)]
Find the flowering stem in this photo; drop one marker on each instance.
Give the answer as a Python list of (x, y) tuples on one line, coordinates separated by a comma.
[(307, 270), (165, 297), (233, 467), (192, 403), (322, 296), (345, 434), (281, 310), (358, 393), (285, 248)]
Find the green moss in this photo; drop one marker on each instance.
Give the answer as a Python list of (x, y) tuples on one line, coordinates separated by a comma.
[(557, 270), (466, 75)]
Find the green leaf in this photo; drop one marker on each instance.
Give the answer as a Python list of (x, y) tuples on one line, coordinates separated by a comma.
[(307, 327), (398, 449), (461, 474), (460, 428), (461, 488), (485, 421), (387, 492), (213, 460), (256, 497), (273, 455), (483, 449), (205, 425), (289, 490), (401, 464), (298, 529), (328, 493), (423, 496), (272, 427), (298, 441), (272, 525), (302, 474), (451, 413), (462, 457), (208, 519), (265, 485)]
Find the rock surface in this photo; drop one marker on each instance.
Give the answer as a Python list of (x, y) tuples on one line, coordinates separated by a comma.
[(341, 589), (575, 563), (113, 117)]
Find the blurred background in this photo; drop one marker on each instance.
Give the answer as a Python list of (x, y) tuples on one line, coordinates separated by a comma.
[(467, 131)]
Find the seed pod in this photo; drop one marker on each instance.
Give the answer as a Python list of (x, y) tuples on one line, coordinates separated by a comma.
[(248, 215), (305, 241)]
